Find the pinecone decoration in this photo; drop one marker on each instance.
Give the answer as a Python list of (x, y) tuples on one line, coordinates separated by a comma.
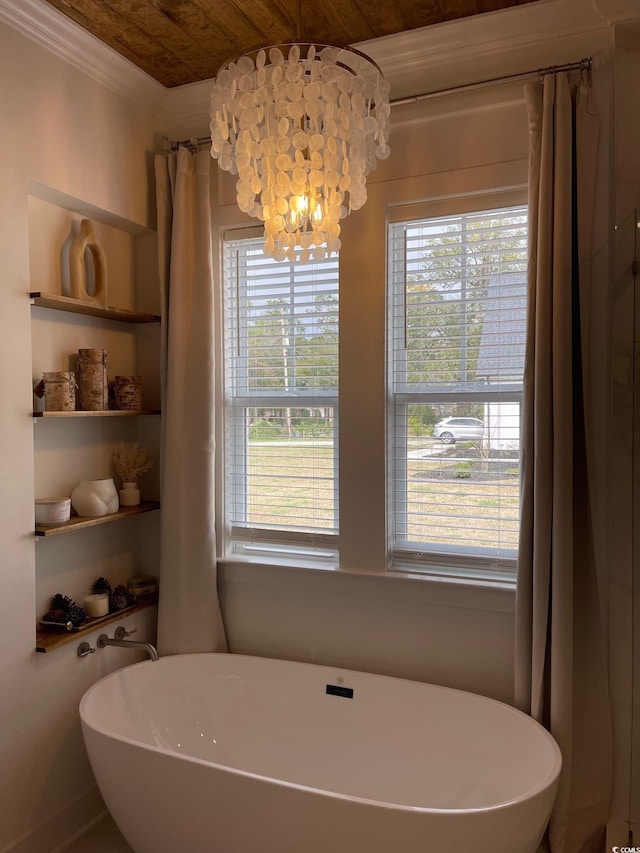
[(76, 615), (64, 609), (119, 598), (62, 602), (102, 585), (56, 616)]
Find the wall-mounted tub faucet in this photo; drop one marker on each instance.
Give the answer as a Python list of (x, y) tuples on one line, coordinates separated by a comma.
[(119, 641)]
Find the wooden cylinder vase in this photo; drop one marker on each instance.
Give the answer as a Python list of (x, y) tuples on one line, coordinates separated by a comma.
[(128, 393), (93, 391), (59, 391)]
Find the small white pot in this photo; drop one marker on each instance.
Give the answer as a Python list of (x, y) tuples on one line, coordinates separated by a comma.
[(96, 604), (92, 498), (129, 494), (52, 510)]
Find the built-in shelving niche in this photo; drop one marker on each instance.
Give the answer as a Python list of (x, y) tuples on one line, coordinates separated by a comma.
[(73, 446), (48, 640)]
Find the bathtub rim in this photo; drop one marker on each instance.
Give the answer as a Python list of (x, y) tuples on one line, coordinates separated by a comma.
[(550, 782)]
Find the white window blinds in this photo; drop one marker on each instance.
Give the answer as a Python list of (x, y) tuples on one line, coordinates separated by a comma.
[(280, 397), (457, 289)]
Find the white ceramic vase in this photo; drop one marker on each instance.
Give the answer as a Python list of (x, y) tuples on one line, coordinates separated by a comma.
[(129, 494), (92, 498)]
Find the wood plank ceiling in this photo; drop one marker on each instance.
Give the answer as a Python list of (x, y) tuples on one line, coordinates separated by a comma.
[(182, 41)]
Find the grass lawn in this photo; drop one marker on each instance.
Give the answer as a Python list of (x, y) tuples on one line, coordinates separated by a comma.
[(458, 511), (291, 483)]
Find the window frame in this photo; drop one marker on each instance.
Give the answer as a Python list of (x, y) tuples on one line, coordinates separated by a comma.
[(364, 554), (242, 540), (430, 559)]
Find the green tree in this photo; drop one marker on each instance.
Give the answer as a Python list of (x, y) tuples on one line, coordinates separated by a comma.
[(270, 356), (317, 345), (289, 351), (446, 292)]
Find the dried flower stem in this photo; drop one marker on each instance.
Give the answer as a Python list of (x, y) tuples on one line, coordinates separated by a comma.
[(130, 461)]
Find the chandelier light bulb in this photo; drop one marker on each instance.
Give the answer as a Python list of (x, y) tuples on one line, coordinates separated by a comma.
[(301, 134)]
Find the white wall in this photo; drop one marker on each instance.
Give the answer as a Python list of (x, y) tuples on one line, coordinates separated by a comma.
[(65, 134)]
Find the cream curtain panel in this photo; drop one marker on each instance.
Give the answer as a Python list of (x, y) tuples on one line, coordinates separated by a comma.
[(189, 618), (561, 673)]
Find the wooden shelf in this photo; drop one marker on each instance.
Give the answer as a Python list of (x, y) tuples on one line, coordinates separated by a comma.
[(91, 309), (76, 522), (49, 639), (106, 414)]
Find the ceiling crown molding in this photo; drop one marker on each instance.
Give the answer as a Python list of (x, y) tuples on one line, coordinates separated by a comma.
[(619, 11), (457, 52), (186, 110), (63, 37)]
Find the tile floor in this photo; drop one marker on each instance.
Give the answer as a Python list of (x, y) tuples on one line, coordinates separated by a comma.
[(104, 837)]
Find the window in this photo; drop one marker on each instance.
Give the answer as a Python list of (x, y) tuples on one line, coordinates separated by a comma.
[(457, 303), (456, 288), (280, 402)]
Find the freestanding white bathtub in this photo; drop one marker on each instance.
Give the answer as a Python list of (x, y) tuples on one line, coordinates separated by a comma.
[(222, 753)]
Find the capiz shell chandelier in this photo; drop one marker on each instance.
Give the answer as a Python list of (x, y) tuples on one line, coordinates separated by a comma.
[(302, 133)]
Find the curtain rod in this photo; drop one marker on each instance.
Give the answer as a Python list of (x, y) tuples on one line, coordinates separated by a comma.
[(581, 65)]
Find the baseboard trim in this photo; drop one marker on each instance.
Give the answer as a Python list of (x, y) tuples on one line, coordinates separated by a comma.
[(63, 829)]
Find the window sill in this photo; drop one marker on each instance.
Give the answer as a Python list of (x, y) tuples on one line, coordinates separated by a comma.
[(453, 592), (469, 574)]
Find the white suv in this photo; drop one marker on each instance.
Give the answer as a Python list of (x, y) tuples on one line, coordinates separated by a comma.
[(450, 430)]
